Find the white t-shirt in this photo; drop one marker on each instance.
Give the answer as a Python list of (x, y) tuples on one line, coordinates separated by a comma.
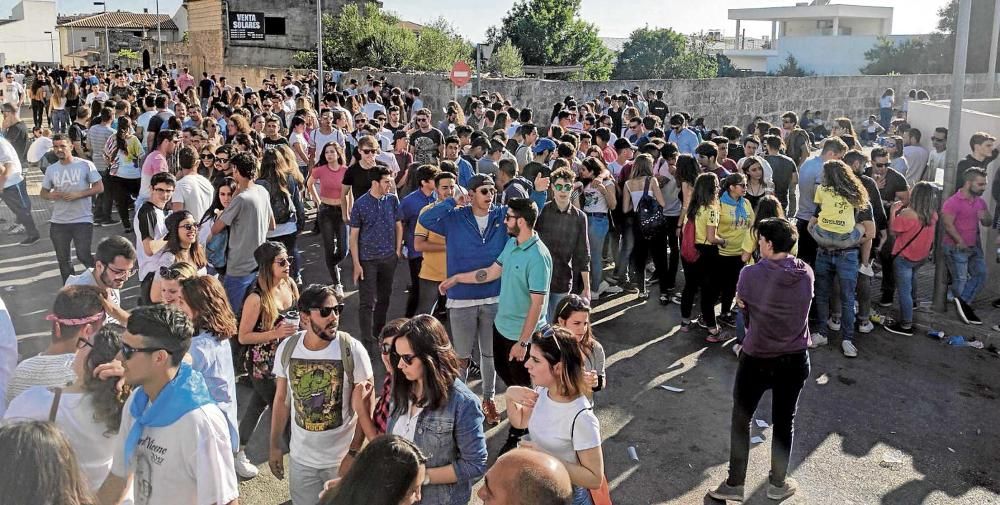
[(322, 424), (189, 462), (371, 107), (75, 418), (318, 140), (298, 138), (86, 278), (885, 102), (594, 201), (406, 424), (9, 155), (42, 370), (196, 193), (8, 353), (551, 422)]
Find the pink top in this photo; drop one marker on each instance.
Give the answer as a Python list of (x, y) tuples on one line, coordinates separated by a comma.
[(155, 163), (966, 212), (906, 228), (331, 182)]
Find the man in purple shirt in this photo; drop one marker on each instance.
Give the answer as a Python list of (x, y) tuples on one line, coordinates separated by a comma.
[(961, 215), (775, 295)]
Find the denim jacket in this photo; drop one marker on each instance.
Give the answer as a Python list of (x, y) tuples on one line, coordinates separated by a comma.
[(454, 435)]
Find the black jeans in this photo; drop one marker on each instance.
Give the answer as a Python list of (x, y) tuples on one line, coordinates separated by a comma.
[(667, 281), (513, 373), (79, 235), (784, 376), (700, 277), (38, 112), (807, 244), (728, 274), (263, 397), (104, 200), (125, 192), (16, 198), (333, 233), (643, 248), (413, 297), (374, 292), (888, 270)]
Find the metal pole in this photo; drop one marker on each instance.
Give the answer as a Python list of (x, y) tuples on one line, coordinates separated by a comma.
[(954, 134), (479, 73), (992, 69), (159, 36), (107, 40), (319, 53)]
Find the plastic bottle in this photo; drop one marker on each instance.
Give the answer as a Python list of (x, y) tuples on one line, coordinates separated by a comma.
[(937, 334)]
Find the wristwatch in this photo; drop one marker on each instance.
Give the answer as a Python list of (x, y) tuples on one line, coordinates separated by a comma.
[(352, 453), (524, 344)]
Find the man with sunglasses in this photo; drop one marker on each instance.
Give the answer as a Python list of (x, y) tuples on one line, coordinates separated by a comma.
[(113, 265), (936, 159), (174, 443), (426, 142), (685, 139), (77, 314), (563, 229)]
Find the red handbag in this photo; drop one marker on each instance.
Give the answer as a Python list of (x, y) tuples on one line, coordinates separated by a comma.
[(689, 252)]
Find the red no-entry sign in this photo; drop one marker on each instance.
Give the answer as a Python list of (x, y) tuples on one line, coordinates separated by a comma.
[(461, 74)]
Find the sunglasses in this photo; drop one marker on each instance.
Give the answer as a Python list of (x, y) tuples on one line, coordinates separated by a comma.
[(369, 151), (207, 156), (407, 358), (563, 187), (487, 191), (937, 139), (422, 119), (189, 227), (326, 311), (881, 165), (386, 348), (281, 262), (170, 273), (82, 342), (222, 160), (128, 351)]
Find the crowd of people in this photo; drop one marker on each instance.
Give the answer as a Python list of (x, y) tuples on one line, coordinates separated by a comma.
[(512, 228)]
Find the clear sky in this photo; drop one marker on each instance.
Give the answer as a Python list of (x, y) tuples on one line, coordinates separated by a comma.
[(472, 18)]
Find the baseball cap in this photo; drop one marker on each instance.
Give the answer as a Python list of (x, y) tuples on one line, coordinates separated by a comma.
[(480, 180), (545, 144), (623, 143)]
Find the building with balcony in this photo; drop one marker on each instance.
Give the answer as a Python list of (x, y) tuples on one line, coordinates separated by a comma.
[(825, 38), (23, 36), (82, 37)]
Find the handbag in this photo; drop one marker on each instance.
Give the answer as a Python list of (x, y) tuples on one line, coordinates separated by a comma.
[(601, 495), (689, 252), (650, 213)]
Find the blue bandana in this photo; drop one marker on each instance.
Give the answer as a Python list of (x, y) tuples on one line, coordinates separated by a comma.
[(186, 392), (742, 218)]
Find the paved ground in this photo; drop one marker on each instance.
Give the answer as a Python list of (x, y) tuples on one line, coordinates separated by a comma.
[(933, 405)]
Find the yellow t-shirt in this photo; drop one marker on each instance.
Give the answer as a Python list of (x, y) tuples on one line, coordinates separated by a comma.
[(733, 232), (836, 214), (435, 266), (706, 216)]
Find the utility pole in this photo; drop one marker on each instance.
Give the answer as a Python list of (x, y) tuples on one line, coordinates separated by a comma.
[(954, 134), (319, 53), (992, 69), (159, 36), (107, 41)]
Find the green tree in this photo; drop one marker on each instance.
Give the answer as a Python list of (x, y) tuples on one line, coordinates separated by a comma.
[(911, 56), (506, 61), (551, 32), (438, 47), (661, 53), (791, 68), (725, 66)]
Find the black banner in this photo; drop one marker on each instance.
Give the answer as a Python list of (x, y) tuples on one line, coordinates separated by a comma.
[(246, 26)]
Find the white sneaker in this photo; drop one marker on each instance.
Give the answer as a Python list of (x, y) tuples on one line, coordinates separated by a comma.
[(817, 339), (737, 349), (866, 269), (833, 324), (866, 326), (244, 468), (609, 290), (849, 350), (339, 291)]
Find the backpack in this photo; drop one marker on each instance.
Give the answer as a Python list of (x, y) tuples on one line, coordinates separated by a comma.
[(215, 249), (689, 252), (281, 204), (345, 355), (650, 213)]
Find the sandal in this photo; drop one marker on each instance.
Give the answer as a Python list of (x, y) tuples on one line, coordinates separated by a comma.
[(685, 326), (664, 299), (714, 337)]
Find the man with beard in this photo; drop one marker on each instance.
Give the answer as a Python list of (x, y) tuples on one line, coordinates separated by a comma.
[(327, 376), (113, 265), (962, 215), (427, 142), (524, 294)]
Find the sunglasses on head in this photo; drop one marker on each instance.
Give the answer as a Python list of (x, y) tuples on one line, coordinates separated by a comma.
[(128, 351), (326, 311), (170, 273)]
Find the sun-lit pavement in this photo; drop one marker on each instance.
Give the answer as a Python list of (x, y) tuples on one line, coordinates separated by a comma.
[(933, 406)]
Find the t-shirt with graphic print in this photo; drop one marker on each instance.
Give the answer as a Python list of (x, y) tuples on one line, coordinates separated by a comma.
[(322, 422), (836, 214), (426, 145)]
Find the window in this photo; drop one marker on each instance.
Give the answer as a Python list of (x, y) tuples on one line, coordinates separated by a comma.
[(274, 26), (824, 24), (83, 39)]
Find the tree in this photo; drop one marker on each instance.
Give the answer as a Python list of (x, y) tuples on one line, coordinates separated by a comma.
[(791, 68), (910, 56), (506, 61), (980, 29), (725, 66), (551, 32), (438, 47), (661, 53)]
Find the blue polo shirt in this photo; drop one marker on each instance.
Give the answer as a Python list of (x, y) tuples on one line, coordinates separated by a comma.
[(375, 219), (409, 211), (810, 174), (527, 270)]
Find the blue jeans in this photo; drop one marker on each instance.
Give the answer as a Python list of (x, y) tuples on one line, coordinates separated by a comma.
[(842, 265), (60, 120), (554, 299), (581, 496), (597, 229), (236, 289), (16, 197), (968, 270), (885, 116), (906, 289), (741, 322), (623, 262)]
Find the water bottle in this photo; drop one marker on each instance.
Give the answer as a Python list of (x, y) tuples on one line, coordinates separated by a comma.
[(937, 334)]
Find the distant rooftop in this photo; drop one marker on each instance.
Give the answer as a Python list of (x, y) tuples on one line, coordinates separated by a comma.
[(122, 19), (819, 9)]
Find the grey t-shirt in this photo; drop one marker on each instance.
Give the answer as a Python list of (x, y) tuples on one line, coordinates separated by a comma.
[(487, 166), (248, 218), (77, 175)]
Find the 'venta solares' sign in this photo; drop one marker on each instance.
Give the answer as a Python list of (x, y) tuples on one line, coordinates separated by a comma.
[(246, 26)]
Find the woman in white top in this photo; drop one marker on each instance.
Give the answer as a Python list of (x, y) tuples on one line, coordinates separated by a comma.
[(885, 104), (300, 146), (182, 246), (596, 190), (556, 412), (89, 410)]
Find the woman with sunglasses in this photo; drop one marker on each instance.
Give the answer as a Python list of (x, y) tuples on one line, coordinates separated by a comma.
[(736, 215), (435, 410), (206, 165), (389, 471), (88, 411), (326, 186), (205, 303), (182, 247), (389, 332), (642, 183), (215, 245), (263, 326), (573, 313), (557, 413), (699, 276)]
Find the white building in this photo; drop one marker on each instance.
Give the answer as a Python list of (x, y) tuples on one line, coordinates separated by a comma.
[(80, 40), (22, 35), (828, 39)]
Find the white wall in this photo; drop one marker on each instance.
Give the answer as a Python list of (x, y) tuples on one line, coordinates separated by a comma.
[(23, 40), (825, 55)]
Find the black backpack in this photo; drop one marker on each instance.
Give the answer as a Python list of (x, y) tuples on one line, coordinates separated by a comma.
[(281, 203)]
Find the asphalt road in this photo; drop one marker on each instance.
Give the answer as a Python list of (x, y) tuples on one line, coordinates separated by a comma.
[(932, 406)]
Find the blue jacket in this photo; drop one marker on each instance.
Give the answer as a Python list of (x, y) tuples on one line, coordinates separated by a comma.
[(452, 435), (465, 172), (467, 249)]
